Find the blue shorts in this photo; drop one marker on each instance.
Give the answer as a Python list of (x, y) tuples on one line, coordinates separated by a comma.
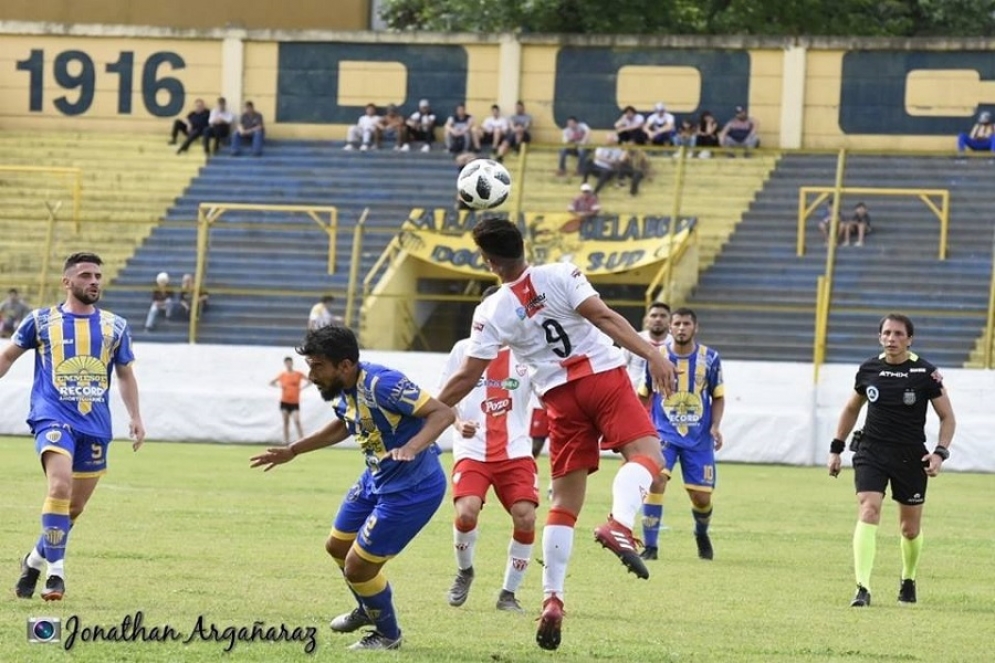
[(89, 453), (385, 524), (697, 465)]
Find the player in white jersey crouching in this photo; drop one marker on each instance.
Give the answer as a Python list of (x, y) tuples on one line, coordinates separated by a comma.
[(492, 447), (557, 325)]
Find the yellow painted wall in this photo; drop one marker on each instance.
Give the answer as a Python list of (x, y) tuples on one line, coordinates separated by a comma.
[(19, 88), (536, 88)]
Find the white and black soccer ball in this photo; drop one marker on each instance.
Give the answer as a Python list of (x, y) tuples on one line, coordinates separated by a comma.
[(483, 184)]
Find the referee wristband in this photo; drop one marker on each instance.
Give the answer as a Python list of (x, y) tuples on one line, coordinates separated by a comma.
[(836, 446), (942, 452)]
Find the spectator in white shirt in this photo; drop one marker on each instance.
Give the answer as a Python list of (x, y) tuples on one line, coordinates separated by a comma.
[(493, 129), (218, 126), (321, 314), (629, 127), (421, 125), (366, 131), (660, 127), (607, 162), (576, 137)]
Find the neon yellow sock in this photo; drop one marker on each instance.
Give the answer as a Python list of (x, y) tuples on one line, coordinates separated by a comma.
[(864, 549), (911, 549)]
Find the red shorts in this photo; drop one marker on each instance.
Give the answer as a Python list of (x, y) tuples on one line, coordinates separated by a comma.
[(600, 407), (514, 480), (540, 424)]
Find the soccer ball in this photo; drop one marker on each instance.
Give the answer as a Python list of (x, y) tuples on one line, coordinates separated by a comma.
[(483, 184)]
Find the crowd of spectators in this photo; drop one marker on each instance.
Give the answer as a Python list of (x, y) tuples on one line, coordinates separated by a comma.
[(167, 303), (218, 126)]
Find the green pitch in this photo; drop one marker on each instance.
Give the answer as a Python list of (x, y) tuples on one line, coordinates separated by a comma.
[(187, 531)]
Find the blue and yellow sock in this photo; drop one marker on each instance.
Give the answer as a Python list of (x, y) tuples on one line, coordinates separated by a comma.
[(55, 524), (378, 601), (652, 517), (702, 518), (359, 601)]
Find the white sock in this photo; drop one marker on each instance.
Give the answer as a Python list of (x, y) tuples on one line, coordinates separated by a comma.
[(557, 544), (56, 569), (464, 543), (632, 482), (519, 555), (36, 561)]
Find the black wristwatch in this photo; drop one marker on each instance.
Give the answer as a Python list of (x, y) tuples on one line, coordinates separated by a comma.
[(942, 452)]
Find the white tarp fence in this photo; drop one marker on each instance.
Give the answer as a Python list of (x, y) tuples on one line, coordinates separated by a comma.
[(774, 412)]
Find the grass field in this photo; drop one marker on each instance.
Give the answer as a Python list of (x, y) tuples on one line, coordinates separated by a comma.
[(183, 531)]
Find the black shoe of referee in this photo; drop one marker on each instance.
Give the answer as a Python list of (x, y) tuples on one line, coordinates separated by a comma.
[(907, 592), (862, 599)]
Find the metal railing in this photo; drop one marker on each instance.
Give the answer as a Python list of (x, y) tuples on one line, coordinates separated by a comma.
[(76, 188)]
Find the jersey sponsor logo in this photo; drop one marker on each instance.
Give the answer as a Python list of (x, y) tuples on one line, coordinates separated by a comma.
[(684, 410), (531, 307), (82, 379), (909, 397), (917, 370), (872, 394), (892, 374), (508, 384), (496, 407)]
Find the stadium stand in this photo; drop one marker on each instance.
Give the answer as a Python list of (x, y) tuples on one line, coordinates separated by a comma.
[(267, 258), (758, 299), (128, 182)]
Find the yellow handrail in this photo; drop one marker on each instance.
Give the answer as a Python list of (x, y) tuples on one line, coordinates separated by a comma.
[(826, 287), (519, 186), (53, 211), (357, 254), (942, 211), (77, 187), (675, 215), (990, 319)]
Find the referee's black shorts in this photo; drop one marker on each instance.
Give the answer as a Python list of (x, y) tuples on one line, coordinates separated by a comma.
[(877, 465)]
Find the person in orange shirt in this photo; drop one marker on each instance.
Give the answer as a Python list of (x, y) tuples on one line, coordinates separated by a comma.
[(291, 382)]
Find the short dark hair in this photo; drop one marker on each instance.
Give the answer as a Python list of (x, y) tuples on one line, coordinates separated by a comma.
[(910, 329), (12, 291), (664, 305), (288, 359), (629, 108), (77, 258), (685, 311), (328, 299), (495, 107), (572, 117), (333, 342), (499, 238), (490, 290), (250, 104)]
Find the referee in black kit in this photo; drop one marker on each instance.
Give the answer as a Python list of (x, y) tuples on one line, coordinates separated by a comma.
[(892, 449)]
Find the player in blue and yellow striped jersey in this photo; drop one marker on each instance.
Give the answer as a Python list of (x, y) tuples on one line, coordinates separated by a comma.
[(395, 424), (76, 347), (688, 422)]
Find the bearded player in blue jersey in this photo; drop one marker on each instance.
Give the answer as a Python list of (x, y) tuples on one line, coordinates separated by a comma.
[(688, 422), (77, 346), (395, 424)]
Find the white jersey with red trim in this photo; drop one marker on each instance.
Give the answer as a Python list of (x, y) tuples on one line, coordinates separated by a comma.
[(500, 404), (636, 365), (536, 316)]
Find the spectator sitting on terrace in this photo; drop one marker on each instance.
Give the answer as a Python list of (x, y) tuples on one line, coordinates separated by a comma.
[(576, 137), (635, 166), (321, 314), (194, 127), (860, 222), (218, 126), (685, 136), (492, 130), (740, 131), (12, 311), (586, 204), (706, 133), (980, 137), (393, 128), (660, 127), (421, 125), (517, 137), (460, 132), (524, 119), (250, 130), (629, 127), (366, 131), (607, 162), (825, 224), (180, 309), (162, 300)]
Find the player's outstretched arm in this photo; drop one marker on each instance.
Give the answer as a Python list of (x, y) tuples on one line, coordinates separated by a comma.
[(463, 380), (9, 355), (128, 386), (438, 417), (619, 330), (847, 420), (330, 435), (948, 423)]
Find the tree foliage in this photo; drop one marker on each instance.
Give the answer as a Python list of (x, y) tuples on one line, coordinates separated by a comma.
[(849, 18)]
